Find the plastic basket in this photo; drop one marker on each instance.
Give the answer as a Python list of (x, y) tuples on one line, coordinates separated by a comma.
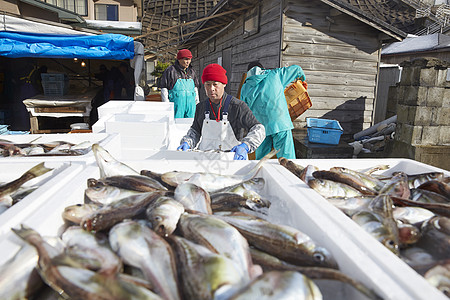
[(55, 84), (297, 99), (323, 131)]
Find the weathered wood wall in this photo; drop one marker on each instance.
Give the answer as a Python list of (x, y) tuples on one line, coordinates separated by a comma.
[(263, 46), (340, 57)]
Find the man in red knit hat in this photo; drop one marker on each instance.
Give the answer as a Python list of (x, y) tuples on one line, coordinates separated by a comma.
[(222, 121), (179, 84)]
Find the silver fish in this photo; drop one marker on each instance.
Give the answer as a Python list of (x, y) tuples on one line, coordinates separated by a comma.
[(106, 194), (220, 237), (204, 274), (193, 197), (436, 237), (108, 165), (163, 214), (286, 285), (282, 241), (138, 183), (417, 179), (142, 248), (329, 189), (211, 182), (397, 186), (370, 181), (250, 190), (418, 259), (95, 253), (411, 214), (439, 277), (75, 213), (352, 205)]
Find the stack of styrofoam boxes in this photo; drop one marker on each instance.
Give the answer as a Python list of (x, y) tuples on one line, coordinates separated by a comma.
[(358, 255), (110, 142), (144, 126)]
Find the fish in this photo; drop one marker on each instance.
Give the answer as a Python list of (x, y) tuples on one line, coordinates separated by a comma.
[(141, 247), (77, 283), (109, 215), (249, 189), (439, 277), (419, 259), (373, 169), (11, 187), (193, 197), (156, 176), (397, 186), (270, 263), (219, 237), (408, 234), (227, 201), (369, 181), (294, 168), (330, 189), (92, 251), (163, 215), (75, 213), (345, 178), (18, 277), (438, 187), (106, 194), (108, 165), (286, 285), (417, 179), (411, 214), (352, 205), (436, 237), (284, 242), (437, 208), (204, 274), (133, 182), (211, 182)]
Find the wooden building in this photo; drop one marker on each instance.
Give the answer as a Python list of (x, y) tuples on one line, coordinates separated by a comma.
[(336, 42)]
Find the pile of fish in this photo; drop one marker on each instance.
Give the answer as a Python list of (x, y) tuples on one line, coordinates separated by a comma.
[(173, 235), (407, 213), (14, 191), (56, 148)]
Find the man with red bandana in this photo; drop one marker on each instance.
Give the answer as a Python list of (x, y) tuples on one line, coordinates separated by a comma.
[(179, 84), (222, 122)]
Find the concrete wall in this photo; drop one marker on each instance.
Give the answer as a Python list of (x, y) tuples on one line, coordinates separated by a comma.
[(422, 105)]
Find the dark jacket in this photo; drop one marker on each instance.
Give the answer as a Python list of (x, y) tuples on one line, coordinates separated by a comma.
[(245, 126), (175, 72)]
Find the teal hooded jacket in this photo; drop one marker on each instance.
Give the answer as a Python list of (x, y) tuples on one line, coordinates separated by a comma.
[(263, 91)]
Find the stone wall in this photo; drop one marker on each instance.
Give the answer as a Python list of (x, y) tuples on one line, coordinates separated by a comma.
[(421, 101)]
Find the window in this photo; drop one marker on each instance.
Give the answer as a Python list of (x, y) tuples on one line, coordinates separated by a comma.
[(106, 12), (76, 6), (251, 22)]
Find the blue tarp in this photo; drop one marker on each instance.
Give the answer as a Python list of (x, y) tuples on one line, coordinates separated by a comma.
[(106, 46)]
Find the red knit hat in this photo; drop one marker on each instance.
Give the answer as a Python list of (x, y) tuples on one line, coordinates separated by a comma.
[(214, 72), (184, 53)]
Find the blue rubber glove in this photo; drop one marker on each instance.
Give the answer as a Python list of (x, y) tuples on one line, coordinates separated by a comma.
[(183, 147), (240, 151)]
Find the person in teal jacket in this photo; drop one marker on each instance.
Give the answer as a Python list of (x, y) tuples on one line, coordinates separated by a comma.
[(263, 91)]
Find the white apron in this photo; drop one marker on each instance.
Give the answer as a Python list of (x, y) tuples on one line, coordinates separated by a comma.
[(218, 135)]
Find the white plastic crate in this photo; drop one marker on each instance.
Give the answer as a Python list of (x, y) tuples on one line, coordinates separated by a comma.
[(293, 204), (113, 107)]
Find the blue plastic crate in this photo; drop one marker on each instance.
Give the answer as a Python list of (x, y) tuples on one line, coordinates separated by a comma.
[(323, 131)]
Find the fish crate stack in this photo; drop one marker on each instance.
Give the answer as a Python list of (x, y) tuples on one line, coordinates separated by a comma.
[(66, 147), (145, 127), (293, 204)]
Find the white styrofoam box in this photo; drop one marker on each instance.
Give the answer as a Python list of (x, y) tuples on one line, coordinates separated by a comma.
[(110, 142), (293, 204), (177, 155), (153, 108), (414, 285), (113, 107), (177, 132), (99, 126), (50, 182)]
